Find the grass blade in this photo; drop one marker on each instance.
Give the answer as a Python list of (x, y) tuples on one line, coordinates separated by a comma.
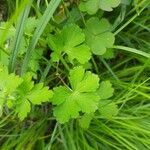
[(18, 37), (39, 30), (133, 50)]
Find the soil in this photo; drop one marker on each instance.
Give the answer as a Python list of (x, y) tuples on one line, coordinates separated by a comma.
[(3, 10)]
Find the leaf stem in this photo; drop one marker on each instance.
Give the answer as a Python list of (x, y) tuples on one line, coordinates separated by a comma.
[(64, 63), (95, 65), (45, 72)]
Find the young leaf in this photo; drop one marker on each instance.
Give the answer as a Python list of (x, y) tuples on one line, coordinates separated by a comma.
[(81, 98), (70, 41), (98, 35)]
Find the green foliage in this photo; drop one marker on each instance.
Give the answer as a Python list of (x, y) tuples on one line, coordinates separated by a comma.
[(19, 93), (35, 49), (92, 6), (82, 96), (109, 4), (8, 85), (107, 108), (105, 90), (98, 35), (30, 25), (85, 120), (70, 41), (3, 29), (30, 93)]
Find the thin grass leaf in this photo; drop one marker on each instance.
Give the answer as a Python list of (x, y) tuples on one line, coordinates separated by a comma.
[(133, 50), (18, 36), (39, 30)]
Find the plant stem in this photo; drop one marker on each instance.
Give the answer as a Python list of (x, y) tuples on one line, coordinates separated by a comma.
[(64, 63), (95, 65)]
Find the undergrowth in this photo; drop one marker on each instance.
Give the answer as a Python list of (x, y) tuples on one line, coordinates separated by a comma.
[(74, 75)]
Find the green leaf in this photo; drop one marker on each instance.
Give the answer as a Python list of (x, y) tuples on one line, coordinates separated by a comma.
[(18, 36), (108, 5), (85, 120), (70, 41), (105, 90), (23, 109), (8, 85), (30, 25), (89, 83), (28, 94), (76, 75), (4, 58), (92, 6), (81, 97), (98, 35), (109, 54), (62, 92), (89, 6), (108, 109), (11, 30), (39, 94), (35, 60), (26, 85), (8, 82)]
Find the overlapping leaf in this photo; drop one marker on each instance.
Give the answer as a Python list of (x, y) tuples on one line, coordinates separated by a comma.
[(30, 94), (107, 108), (71, 42), (8, 85), (82, 96), (19, 93)]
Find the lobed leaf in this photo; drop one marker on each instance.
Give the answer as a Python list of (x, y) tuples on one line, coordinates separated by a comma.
[(81, 98), (71, 42), (92, 6), (98, 35)]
